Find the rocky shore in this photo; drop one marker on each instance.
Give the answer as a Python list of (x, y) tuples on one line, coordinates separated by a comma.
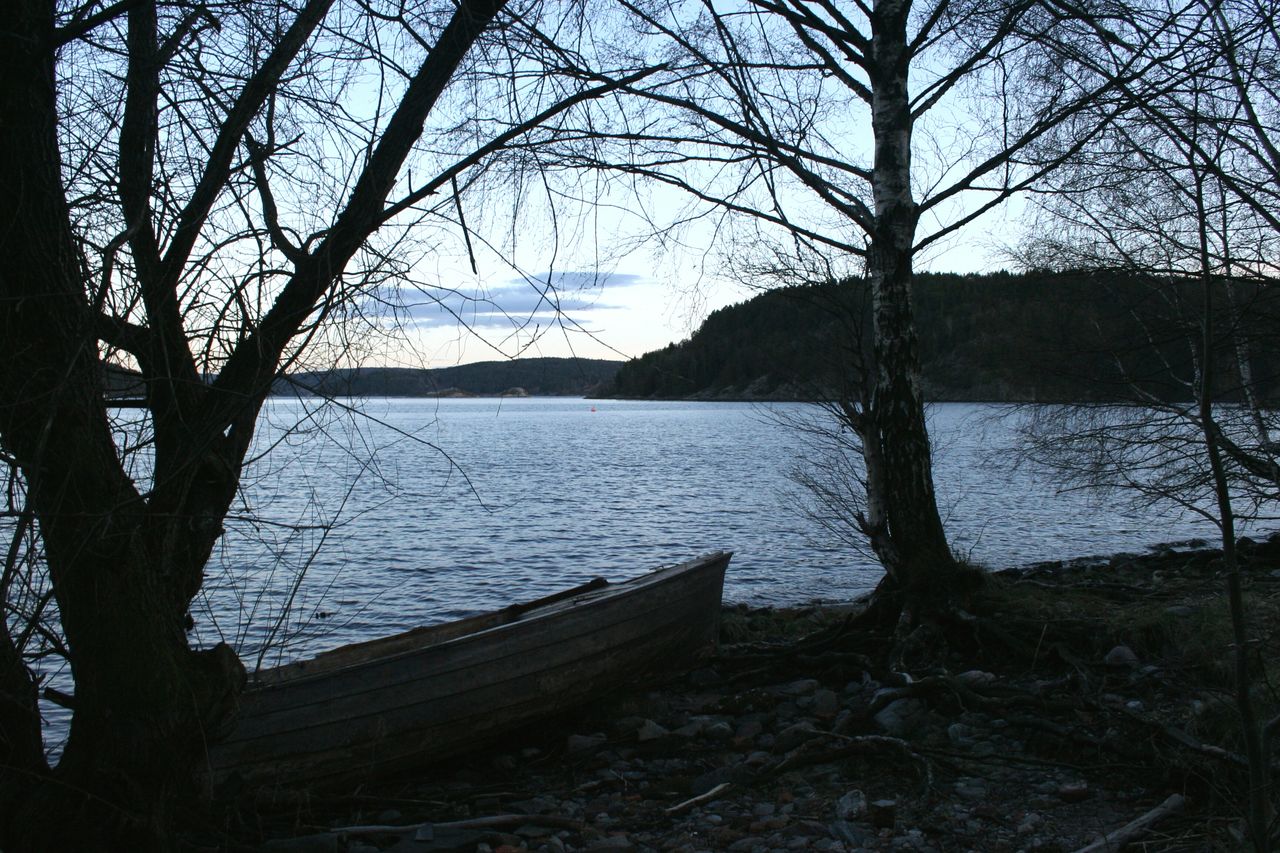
[(1093, 707)]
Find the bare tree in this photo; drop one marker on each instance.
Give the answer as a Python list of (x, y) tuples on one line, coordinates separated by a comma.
[(873, 132), (201, 193), (1180, 195)]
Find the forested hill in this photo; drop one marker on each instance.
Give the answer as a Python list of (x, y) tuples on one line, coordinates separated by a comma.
[(995, 337), (526, 376)]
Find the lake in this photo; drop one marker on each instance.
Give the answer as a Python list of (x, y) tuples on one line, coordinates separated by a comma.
[(420, 510)]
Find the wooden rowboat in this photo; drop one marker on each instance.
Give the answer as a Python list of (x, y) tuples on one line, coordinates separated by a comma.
[(392, 703)]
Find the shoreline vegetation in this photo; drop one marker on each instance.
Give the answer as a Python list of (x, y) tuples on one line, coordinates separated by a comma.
[(1033, 337), (1098, 712)]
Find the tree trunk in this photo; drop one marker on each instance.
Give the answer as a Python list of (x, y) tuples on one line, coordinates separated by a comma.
[(926, 571), (122, 577)]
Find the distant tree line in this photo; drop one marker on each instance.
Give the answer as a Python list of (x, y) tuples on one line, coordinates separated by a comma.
[(551, 377), (1024, 337)]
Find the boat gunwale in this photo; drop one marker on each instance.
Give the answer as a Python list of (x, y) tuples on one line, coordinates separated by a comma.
[(640, 618), (369, 654)]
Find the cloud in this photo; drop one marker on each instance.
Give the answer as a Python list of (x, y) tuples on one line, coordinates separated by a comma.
[(537, 298)]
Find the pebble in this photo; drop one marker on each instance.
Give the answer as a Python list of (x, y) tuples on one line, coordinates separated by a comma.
[(976, 678), (794, 735), (696, 742), (749, 730), (1074, 792), (826, 704), (1121, 656), (901, 717), (852, 806), (883, 813), (585, 743), (324, 842), (718, 730), (801, 687), (649, 730)]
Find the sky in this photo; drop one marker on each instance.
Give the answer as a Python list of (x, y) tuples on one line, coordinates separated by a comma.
[(622, 310)]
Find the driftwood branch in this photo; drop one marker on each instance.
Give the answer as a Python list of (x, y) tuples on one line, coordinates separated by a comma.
[(501, 821), (1135, 828), (700, 799)]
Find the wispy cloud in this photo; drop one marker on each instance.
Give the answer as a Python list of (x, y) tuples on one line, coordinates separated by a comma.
[(518, 301)]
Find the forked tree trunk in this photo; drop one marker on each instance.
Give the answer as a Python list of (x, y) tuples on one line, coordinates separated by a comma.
[(925, 570), (123, 578)]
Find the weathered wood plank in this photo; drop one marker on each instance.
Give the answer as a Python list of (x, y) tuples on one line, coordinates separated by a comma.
[(427, 694)]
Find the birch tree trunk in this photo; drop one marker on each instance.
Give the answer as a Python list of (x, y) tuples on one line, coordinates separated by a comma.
[(925, 569)]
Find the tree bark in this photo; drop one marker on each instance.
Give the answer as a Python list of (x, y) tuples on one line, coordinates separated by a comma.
[(124, 566), (926, 572), (144, 700)]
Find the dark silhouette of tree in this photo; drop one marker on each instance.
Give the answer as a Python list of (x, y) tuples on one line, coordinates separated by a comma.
[(1182, 190), (201, 193)]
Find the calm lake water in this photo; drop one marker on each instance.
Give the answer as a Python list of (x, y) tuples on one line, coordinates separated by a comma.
[(438, 508)]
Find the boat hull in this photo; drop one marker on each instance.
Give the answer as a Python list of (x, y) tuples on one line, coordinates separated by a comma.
[(426, 695)]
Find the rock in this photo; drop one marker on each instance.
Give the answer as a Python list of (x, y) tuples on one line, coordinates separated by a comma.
[(626, 726), (614, 843), (901, 717), (1121, 656), (705, 677), (786, 711), (585, 743), (323, 842), (976, 678), (852, 806), (1179, 611), (826, 704), (443, 840), (883, 814), (707, 781), (690, 730), (718, 730), (794, 735), (960, 734), (803, 687), (748, 730), (649, 730), (1074, 792), (971, 789), (853, 835), (534, 805)]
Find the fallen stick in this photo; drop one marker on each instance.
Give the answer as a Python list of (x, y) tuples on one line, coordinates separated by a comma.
[(1122, 836), (495, 822), (700, 799), (1181, 738)]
